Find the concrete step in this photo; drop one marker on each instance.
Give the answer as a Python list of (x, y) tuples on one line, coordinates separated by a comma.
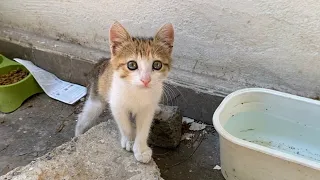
[(94, 155)]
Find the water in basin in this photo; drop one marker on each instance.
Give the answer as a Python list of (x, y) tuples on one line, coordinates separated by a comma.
[(265, 129)]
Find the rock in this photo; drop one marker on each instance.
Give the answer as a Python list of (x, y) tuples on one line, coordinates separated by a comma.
[(166, 127), (2, 118), (35, 154), (86, 157)]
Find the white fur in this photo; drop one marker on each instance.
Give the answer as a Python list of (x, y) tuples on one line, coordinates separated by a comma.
[(91, 110), (142, 102), (127, 98)]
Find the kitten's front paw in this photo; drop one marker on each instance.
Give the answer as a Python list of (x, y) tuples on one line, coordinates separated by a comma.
[(126, 143), (143, 156)]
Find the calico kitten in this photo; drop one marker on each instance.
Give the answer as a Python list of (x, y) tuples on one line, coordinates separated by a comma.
[(131, 82)]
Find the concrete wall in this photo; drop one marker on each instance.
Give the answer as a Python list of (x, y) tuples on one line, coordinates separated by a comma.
[(220, 45)]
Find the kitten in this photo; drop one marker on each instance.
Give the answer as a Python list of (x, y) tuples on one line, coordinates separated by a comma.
[(131, 82)]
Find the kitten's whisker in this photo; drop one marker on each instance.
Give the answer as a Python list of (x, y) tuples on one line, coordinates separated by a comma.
[(184, 99), (166, 96), (170, 94), (173, 98)]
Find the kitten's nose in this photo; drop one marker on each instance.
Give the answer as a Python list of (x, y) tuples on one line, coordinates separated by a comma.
[(146, 81)]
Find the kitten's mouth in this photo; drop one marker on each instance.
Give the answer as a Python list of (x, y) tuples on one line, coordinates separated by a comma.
[(144, 86)]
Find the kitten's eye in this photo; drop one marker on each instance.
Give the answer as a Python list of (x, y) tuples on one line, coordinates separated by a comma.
[(157, 65), (132, 65)]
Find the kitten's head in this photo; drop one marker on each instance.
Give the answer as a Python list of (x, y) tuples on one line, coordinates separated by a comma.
[(143, 62)]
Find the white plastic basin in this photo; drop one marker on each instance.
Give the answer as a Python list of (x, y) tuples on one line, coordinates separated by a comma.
[(268, 135)]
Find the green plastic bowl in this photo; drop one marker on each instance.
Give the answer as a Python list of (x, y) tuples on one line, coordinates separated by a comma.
[(13, 95)]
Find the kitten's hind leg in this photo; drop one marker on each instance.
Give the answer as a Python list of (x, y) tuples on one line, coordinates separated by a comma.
[(92, 109)]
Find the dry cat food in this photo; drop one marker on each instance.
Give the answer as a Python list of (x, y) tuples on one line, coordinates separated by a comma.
[(13, 76)]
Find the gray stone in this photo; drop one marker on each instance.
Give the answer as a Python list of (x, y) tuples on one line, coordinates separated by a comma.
[(94, 155), (166, 127)]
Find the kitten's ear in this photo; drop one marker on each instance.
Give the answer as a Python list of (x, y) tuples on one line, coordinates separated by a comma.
[(117, 35), (166, 35)]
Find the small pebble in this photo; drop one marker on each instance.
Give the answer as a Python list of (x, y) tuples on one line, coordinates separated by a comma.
[(48, 157), (20, 119), (22, 153)]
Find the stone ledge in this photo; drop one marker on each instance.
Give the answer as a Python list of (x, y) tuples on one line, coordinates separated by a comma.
[(94, 155)]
